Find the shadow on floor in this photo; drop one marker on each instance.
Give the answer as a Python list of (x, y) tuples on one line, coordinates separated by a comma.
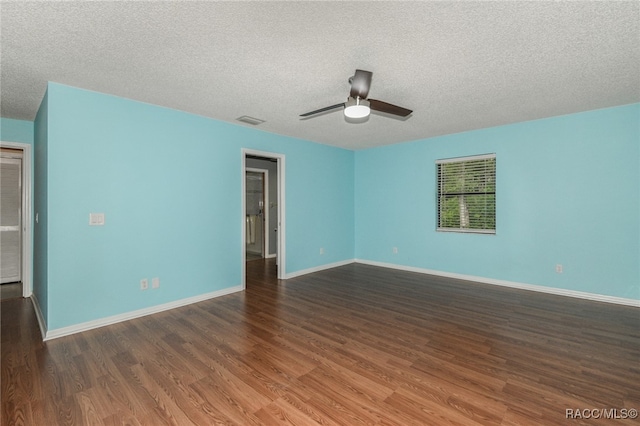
[(10, 291)]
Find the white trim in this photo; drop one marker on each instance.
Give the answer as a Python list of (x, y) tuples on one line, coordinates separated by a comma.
[(468, 231), (265, 208), (243, 220), (90, 325), (319, 268), (511, 284), (27, 219), (468, 158), (41, 323), (281, 250)]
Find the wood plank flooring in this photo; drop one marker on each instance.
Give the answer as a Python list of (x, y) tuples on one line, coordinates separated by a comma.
[(355, 345)]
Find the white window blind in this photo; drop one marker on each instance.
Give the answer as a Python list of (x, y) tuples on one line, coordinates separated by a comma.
[(10, 219), (467, 194)]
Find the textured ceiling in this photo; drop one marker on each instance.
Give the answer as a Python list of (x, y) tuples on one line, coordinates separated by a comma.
[(458, 65)]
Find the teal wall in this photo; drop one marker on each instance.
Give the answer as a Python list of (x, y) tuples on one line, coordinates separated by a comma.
[(567, 193), (40, 207), (16, 130), (169, 185)]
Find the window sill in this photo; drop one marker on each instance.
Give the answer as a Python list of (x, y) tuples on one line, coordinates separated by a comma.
[(468, 231)]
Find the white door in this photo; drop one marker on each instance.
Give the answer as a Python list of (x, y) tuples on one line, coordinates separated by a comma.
[(10, 219)]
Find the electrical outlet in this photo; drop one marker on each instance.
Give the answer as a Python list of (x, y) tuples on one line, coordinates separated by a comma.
[(395, 250), (559, 268), (96, 219), (155, 282), (144, 284), (321, 250)]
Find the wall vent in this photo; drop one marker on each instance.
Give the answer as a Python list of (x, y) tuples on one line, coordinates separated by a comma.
[(250, 120)]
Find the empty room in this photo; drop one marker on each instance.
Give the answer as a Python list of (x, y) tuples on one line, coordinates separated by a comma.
[(331, 213)]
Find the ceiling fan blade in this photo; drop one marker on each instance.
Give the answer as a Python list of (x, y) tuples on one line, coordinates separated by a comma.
[(360, 83), (388, 108), (306, 114)]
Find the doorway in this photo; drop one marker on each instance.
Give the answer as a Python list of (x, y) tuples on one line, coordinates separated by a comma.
[(263, 219), (15, 220)]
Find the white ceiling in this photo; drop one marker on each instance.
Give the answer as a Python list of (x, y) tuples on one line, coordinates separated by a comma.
[(458, 65)]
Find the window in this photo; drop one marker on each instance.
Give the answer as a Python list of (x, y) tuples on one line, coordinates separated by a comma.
[(467, 194)]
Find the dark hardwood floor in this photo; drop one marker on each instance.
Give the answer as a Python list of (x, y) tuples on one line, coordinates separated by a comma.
[(10, 291), (348, 346)]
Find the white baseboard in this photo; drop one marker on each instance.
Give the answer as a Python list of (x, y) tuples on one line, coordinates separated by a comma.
[(318, 268), (89, 325), (41, 323), (511, 284)]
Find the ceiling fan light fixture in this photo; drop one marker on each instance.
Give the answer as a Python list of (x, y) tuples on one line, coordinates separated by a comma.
[(357, 108)]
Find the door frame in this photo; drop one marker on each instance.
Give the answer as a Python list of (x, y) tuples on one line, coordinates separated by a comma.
[(281, 251), (265, 208), (27, 222)]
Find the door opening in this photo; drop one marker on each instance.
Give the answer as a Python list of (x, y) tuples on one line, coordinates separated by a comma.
[(11, 217), (263, 221), (15, 220)]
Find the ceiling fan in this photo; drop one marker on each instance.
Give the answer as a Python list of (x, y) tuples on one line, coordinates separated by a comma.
[(357, 105)]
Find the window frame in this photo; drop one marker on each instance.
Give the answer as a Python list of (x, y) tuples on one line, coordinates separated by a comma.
[(440, 195)]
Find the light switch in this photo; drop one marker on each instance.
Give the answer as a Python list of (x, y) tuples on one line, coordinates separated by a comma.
[(96, 219)]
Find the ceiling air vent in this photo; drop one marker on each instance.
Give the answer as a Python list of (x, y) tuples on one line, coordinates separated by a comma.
[(250, 120)]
